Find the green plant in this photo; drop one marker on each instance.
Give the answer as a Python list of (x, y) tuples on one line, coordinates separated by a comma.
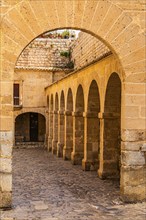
[(65, 34), (70, 65), (65, 54)]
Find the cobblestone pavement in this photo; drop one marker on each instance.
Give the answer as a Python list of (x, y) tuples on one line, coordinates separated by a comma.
[(47, 188)]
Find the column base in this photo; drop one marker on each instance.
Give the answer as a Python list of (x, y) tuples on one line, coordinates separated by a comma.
[(88, 165), (5, 200), (54, 147), (67, 153), (133, 183), (60, 149), (111, 174), (76, 158), (131, 194)]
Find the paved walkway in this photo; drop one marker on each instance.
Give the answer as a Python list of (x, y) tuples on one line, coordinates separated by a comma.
[(47, 188)]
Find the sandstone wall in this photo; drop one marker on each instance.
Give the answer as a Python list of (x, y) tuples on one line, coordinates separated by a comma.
[(32, 85), (87, 49), (44, 54)]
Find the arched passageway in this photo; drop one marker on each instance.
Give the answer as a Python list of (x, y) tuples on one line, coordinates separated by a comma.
[(92, 130), (110, 156), (78, 128), (68, 147), (124, 35), (61, 127), (30, 127)]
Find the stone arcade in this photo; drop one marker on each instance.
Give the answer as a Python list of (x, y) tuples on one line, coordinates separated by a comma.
[(95, 116)]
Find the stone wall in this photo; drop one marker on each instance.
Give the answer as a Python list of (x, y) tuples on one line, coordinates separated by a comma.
[(87, 49), (32, 85), (44, 54)]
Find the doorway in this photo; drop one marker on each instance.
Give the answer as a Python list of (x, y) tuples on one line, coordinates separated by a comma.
[(33, 127)]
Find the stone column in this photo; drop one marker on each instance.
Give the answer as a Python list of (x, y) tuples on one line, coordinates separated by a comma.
[(68, 142), (91, 141), (50, 137), (6, 142), (78, 138), (109, 145), (47, 129), (133, 166), (55, 132), (60, 143)]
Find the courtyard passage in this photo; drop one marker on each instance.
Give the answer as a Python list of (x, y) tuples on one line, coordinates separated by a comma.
[(47, 188)]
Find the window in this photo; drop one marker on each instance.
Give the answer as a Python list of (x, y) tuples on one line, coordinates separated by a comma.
[(16, 94)]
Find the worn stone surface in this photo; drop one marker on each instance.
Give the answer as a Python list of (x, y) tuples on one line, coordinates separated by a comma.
[(52, 189)]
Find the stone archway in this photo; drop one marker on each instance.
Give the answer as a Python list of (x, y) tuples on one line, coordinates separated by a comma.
[(23, 21), (92, 133), (110, 155), (30, 127)]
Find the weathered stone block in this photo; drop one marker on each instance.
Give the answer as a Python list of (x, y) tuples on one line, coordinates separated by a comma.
[(6, 165), (6, 150), (5, 199), (132, 158), (133, 193), (132, 146), (133, 175), (133, 135), (6, 182)]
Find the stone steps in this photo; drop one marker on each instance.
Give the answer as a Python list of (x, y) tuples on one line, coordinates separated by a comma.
[(29, 145)]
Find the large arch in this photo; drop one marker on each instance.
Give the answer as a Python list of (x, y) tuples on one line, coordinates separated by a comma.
[(116, 25)]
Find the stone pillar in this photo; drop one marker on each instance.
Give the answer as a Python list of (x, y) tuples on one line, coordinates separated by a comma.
[(133, 169), (60, 143), (6, 142), (91, 141), (55, 132), (50, 137), (68, 142), (78, 138), (109, 145), (47, 129)]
